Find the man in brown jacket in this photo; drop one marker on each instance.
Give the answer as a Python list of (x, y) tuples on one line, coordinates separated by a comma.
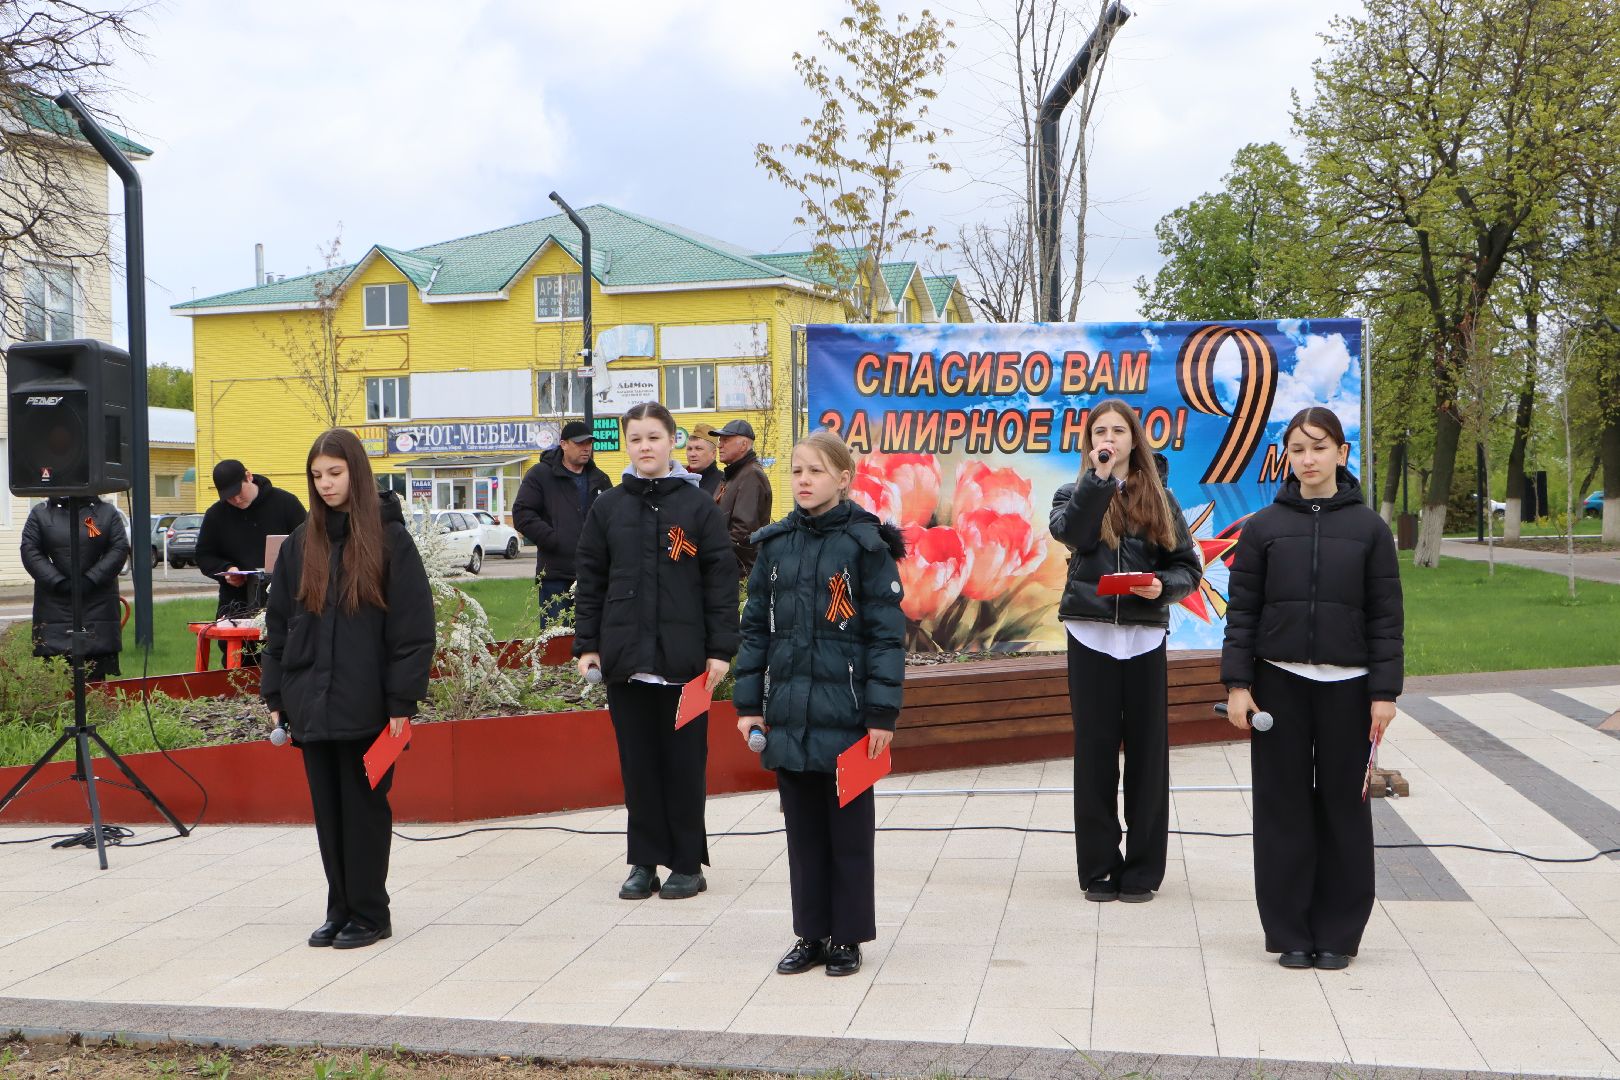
[(745, 497)]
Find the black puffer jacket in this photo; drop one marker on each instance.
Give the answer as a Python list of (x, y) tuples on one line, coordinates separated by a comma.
[(1077, 518), (231, 537), (657, 582), (340, 676), (1316, 581), (549, 514), (822, 674), (46, 557)]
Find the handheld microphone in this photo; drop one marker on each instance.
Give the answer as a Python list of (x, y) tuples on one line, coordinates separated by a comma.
[(1260, 721), (278, 736), (593, 674), (756, 739), (1104, 455)]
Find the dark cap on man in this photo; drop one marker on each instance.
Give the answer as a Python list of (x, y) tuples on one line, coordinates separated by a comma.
[(576, 431), (737, 427), (229, 476)]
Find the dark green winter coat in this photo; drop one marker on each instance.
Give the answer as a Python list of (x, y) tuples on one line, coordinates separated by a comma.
[(819, 672)]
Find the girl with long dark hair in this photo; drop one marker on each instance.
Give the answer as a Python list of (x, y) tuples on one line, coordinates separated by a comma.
[(1117, 518), (1314, 636), (656, 606), (348, 652)]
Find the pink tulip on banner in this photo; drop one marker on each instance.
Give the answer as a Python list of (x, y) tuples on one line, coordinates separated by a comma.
[(871, 492), (979, 487), (1005, 548), (914, 476), (932, 573)]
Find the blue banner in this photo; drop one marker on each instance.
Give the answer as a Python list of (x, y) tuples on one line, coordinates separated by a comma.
[(965, 430)]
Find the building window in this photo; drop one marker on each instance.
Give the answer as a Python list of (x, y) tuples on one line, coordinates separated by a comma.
[(558, 296), (388, 399), (561, 393), (166, 487), (394, 482), (48, 308), (905, 309), (689, 386), (385, 307)]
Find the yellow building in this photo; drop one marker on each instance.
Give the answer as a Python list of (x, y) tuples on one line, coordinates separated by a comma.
[(172, 437), (51, 293), (457, 362)]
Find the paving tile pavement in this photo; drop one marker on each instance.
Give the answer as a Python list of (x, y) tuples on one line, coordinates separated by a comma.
[(988, 962)]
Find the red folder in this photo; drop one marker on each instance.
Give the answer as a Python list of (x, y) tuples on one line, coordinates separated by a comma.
[(695, 698), (858, 770), (1120, 584), (384, 752)]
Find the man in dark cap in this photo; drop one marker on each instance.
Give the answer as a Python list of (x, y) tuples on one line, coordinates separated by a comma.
[(701, 447), (231, 540), (745, 497), (550, 510)]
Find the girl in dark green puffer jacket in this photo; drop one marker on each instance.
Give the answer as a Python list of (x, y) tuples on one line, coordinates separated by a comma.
[(822, 662)]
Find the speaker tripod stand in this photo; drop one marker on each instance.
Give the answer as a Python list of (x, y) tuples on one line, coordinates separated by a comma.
[(82, 733)]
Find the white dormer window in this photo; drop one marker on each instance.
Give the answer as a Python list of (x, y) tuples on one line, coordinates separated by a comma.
[(385, 307)]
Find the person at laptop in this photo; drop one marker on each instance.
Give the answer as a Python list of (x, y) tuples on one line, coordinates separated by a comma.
[(231, 540)]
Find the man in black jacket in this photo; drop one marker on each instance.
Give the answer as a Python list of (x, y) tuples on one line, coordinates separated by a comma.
[(550, 509), (746, 495), (700, 451), (231, 540)]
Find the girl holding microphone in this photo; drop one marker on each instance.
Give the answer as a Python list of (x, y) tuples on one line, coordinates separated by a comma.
[(1314, 635), (656, 606), (349, 645), (1116, 518), (822, 664)]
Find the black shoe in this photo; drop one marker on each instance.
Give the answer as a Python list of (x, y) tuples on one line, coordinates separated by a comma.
[(1135, 896), (1101, 892), (804, 955), (843, 959), (324, 935), (641, 884), (1297, 959), (683, 886), (1332, 961), (358, 935)]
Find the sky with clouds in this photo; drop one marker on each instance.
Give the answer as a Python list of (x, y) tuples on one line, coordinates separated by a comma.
[(411, 122)]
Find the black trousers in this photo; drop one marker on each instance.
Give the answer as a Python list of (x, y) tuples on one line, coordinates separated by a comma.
[(829, 858), (665, 782), (1313, 838), (1120, 703), (354, 825)]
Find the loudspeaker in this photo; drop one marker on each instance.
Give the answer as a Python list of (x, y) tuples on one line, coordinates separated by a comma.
[(69, 418)]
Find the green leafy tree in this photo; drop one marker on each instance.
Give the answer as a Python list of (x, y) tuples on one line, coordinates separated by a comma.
[(168, 387)]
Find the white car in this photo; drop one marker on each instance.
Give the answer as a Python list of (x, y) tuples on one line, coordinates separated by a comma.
[(463, 537), (498, 539)]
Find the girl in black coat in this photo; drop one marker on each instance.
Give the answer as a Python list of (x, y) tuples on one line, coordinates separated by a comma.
[(656, 606), (47, 556), (1119, 518), (823, 664), (349, 647), (1314, 636)]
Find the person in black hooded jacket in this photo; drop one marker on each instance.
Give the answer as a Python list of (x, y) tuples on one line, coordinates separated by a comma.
[(1120, 518), (47, 556), (232, 536), (1314, 636), (550, 511), (823, 663), (656, 607), (350, 636)]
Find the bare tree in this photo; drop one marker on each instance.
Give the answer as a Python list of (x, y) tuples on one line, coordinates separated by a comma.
[(323, 362), (53, 206)]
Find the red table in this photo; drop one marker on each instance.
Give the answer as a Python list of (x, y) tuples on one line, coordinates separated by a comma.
[(230, 633)]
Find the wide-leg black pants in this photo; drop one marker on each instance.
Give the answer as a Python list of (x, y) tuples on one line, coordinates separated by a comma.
[(665, 782), (829, 858), (354, 827), (1313, 838), (1118, 703)]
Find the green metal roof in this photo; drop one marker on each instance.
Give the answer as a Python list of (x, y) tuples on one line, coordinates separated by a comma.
[(940, 290), (626, 250), (43, 114)]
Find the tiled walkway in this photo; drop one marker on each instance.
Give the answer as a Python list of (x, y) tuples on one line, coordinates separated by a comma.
[(1471, 962)]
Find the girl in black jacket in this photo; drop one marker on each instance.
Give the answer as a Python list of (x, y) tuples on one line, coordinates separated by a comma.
[(1314, 632), (348, 652), (1119, 518), (656, 606), (47, 556), (823, 664)]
